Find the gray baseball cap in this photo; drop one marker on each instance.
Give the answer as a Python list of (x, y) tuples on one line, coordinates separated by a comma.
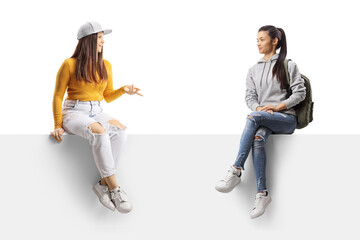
[(89, 28)]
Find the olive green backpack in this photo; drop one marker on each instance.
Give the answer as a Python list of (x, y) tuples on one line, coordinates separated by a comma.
[(304, 110)]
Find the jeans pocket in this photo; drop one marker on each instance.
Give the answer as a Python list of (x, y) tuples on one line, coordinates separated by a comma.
[(69, 105)]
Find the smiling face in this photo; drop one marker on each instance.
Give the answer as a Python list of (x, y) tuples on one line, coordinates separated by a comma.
[(100, 41), (265, 44)]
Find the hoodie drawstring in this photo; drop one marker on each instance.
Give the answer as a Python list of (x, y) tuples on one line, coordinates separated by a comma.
[(268, 72), (262, 74)]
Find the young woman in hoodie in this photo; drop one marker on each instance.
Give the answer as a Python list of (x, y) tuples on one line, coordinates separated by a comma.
[(267, 96), (87, 78)]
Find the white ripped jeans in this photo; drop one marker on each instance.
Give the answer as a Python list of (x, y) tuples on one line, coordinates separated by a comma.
[(106, 147)]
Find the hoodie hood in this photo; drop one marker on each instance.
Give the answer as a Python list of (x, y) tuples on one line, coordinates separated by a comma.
[(273, 58)]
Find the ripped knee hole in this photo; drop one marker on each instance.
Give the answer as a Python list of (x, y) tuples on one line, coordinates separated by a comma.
[(96, 128), (116, 123)]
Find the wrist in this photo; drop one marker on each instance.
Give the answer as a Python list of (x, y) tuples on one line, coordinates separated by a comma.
[(122, 89), (280, 107)]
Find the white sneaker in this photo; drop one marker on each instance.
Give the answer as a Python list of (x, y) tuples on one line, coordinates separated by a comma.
[(231, 179), (262, 200), (103, 194), (120, 200)]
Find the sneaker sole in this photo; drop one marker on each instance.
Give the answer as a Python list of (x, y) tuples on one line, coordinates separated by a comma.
[(124, 211), (226, 190), (99, 197), (262, 212)]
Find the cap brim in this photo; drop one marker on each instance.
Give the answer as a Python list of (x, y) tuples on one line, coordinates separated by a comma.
[(107, 31)]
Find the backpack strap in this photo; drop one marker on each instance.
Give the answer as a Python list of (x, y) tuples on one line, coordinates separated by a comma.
[(286, 65)]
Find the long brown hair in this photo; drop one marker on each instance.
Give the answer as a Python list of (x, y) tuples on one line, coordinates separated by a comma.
[(87, 63), (279, 68)]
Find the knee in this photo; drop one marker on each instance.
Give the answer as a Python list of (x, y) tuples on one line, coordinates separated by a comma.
[(258, 142), (117, 130), (251, 119), (96, 128), (255, 116), (116, 123)]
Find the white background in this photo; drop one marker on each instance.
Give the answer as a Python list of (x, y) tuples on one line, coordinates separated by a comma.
[(190, 58)]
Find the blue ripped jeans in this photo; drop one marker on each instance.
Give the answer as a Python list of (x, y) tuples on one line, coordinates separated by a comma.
[(262, 125)]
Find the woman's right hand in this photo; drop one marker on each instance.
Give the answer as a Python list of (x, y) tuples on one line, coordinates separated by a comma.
[(261, 109), (131, 90), (57, 133)]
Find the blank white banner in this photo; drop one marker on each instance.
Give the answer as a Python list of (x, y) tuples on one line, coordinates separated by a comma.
[(170, 180)]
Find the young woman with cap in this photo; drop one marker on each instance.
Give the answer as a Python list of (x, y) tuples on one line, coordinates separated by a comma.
[(87, 77), (267, 96)]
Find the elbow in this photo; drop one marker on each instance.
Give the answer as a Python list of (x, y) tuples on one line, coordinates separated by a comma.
[(107, 99), (57, 98), (299, 95), (302, 96), (296, 99)]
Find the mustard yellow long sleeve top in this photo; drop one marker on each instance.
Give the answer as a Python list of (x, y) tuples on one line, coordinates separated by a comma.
[(80, 90)]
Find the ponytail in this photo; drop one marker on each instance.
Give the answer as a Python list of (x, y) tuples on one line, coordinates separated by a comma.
[(279, 68)]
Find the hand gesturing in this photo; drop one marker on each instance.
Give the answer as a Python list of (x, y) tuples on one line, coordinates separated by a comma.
[(131, 90)]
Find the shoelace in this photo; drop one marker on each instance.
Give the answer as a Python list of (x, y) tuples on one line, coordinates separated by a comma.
[(258, 198), (120, 194), (229, 176)]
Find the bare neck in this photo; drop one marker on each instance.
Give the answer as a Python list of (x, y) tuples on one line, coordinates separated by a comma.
[(267, 56)]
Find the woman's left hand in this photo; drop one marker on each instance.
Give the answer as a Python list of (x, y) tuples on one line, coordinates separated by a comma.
[(131, 90), (269, 108)]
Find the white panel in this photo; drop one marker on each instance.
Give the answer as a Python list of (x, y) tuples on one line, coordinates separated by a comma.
[(170, 179)]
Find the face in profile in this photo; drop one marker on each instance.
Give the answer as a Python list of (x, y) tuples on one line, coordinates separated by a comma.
[(100, 41), (264, 43)]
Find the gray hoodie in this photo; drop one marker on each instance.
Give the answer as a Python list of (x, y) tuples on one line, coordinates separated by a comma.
[(262, 87)]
